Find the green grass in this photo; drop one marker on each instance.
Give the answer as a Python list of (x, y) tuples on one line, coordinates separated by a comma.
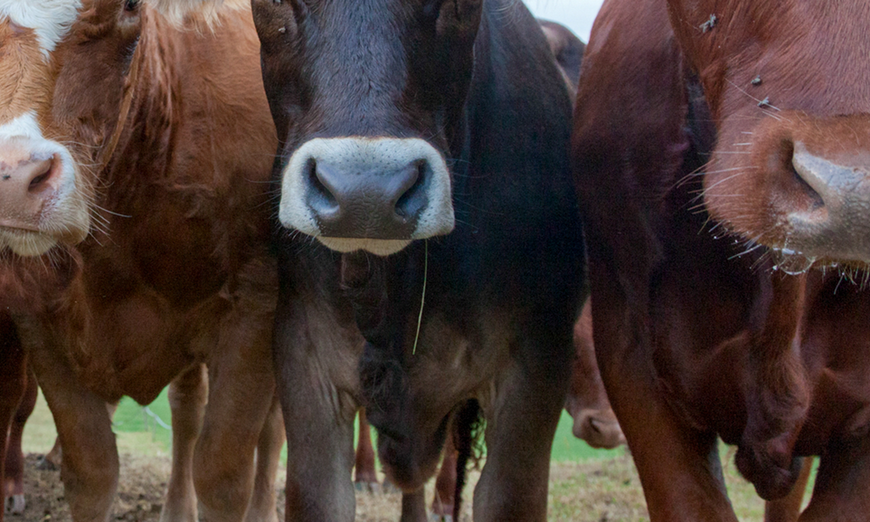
[(139, 431)]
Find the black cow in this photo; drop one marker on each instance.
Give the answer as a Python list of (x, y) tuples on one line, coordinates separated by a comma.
[(432, 249)]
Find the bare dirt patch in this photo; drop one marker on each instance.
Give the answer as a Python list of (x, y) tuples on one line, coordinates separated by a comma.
[(585, 491)]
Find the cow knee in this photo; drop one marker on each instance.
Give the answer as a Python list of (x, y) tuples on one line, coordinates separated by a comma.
[(223, 483)]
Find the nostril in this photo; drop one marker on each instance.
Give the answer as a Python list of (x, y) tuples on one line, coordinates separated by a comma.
[(814, 198), (318, 180), (413, 199), (807, 196), (40, 174)]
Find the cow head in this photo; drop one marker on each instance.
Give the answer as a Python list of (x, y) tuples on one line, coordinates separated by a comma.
[(367, 97), (587, 402), (62, 69), (787, 87)]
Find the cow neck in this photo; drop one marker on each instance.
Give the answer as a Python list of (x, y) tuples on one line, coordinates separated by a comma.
[(145, 120)]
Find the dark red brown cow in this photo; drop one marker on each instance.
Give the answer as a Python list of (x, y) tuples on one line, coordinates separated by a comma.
[(716, 148), (147, 147), (423, 145)]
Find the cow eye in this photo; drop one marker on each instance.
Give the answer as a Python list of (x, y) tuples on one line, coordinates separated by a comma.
[(131, 5)]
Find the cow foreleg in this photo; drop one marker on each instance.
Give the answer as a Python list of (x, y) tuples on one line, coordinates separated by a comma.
[(187, 398), (263, 502), (414, 506), (89, 468), (365, 476), (842, 487), (316, 361), (777, 394), (445, 483), (679, 467), (521, 421), (788, 508), (241, 388), (13, 381), (15, 502)]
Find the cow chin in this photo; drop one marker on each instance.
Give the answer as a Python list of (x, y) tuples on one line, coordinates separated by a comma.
[(378, 247), (24, 243)]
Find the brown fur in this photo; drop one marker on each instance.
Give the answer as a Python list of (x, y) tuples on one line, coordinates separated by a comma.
[(696, 336), (176, 270)]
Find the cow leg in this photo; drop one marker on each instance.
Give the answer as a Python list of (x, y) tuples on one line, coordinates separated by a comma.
[(187, 399), (14, 455), (777, 396), (316, 365), (521, 422), (842, 489), (445, 483), (13, 382), (414, 506), (241, 386), (788, 508), (263, 502), (89, 468), (678, 467), (365, 476)]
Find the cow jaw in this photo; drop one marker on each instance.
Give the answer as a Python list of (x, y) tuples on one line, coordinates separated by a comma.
[(371, 194)]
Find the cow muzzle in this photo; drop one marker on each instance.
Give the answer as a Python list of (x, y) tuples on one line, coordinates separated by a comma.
[(837, 224), (372, 194), (39, 205)]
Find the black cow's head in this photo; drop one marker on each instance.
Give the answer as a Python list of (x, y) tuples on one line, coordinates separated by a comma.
[(367, 96)]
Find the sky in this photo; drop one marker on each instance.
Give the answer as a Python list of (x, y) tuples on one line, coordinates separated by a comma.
[(577, 15)]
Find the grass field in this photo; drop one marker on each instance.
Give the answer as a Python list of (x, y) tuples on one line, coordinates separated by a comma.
[(585, 485)]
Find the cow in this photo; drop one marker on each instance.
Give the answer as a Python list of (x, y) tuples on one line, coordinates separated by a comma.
[(423, 144), (594, 422), (587, 403), (568, 50), (706, 148), (134, 230)]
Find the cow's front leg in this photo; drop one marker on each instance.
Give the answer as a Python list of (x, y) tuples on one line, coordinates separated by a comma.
[(187, 398), (14, 383), (241, 387), (89, 469), (521, 417), (316, 361), (263, 501)]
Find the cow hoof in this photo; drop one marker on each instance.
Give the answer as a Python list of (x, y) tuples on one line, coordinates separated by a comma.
[(43, 463), (15, 505), (368, 487), (389, 487), (773, 478)]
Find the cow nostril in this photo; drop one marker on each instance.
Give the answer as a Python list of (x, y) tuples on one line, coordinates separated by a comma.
[(812, 200), (319, 184), (40, 175), (413, 199)]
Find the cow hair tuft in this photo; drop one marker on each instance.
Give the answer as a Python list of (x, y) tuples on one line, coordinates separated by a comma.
[(207, 11)]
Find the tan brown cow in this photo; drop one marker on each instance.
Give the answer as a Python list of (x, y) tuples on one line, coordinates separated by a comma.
[(720, 150), (146, 146)]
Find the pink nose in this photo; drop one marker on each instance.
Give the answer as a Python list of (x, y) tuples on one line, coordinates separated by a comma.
[(27, 183)]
